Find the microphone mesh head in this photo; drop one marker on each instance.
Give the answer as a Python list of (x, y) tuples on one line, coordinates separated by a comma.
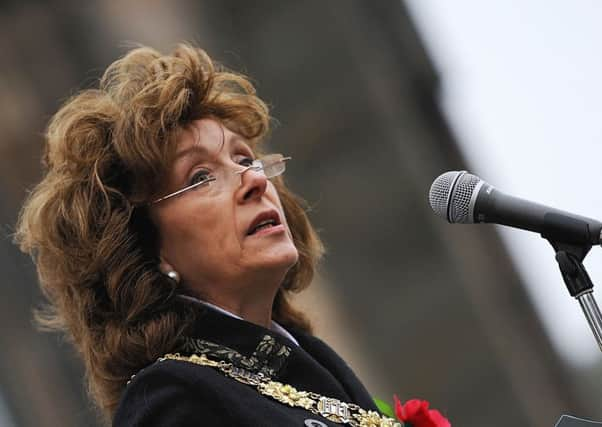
[(439, 193), (451, 196)]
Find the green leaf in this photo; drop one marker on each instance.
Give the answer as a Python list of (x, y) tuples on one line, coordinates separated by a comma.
[(384, 408)]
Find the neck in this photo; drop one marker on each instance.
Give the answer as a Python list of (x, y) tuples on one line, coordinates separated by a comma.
[(254, 313), (252, 301)]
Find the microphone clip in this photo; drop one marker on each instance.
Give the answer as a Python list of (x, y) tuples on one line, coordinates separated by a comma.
[(570, 260)]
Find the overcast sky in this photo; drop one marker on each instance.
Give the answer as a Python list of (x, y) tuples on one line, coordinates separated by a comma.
[(523, 93)]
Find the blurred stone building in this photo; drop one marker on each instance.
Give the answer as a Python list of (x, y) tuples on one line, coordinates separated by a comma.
[(418, 308)]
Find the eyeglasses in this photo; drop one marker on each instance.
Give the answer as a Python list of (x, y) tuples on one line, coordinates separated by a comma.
[(210, 184)]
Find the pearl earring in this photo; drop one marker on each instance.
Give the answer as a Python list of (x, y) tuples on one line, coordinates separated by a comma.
[(173, 275), (169, 271)]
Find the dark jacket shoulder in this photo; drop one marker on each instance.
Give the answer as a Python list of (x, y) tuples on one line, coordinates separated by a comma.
[(171, 393)]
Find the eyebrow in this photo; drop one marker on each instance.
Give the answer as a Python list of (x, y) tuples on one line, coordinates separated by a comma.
[(190, 150), (236, 141)]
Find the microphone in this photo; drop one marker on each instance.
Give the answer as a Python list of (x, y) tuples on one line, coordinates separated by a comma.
[(461, 197)]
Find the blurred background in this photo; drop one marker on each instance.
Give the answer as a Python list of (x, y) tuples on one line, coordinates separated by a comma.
[(374, 100)]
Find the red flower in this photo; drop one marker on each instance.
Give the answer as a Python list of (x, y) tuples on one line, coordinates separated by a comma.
[(417, 413)]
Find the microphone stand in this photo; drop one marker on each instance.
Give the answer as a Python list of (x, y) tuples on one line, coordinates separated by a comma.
[(570, 260)]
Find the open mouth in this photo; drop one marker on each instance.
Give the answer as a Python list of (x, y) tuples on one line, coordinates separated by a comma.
[(264, 221)]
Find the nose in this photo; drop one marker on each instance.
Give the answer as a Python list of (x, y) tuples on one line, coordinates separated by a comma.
[(253, 185)]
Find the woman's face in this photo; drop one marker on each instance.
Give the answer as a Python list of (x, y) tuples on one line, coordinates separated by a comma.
[(208, 236)]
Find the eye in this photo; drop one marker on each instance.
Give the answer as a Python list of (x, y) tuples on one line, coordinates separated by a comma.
[(246, 161), (199, 176)]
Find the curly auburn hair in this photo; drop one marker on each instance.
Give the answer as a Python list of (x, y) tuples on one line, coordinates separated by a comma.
[(86, 227)]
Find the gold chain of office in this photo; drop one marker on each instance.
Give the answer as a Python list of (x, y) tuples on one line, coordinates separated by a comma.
[(330, 408)]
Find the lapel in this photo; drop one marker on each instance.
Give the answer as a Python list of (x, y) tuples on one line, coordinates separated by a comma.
[(339, 369)]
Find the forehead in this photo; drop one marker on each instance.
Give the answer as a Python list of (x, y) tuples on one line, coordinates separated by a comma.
[(206, 137)]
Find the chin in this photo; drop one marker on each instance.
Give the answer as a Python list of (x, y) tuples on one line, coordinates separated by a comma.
[(292, 258), (282, 257)]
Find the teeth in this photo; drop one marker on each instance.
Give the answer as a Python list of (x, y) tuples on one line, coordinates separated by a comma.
[(261, 227), (263, 224)]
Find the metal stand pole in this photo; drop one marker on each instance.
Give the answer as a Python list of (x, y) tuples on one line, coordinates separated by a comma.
[(592, 313)]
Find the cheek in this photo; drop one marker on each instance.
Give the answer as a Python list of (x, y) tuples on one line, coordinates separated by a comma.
[(273, 194), (197, 233)]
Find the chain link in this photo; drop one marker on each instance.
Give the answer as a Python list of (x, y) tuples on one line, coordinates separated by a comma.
[(330, 408)]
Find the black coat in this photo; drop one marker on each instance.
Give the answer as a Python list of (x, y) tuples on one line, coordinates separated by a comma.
[(174, 393)]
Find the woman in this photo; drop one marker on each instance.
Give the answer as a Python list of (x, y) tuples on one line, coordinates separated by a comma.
[(168, 245)]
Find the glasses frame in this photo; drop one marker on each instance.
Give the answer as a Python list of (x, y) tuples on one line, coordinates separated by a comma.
[(256, 166)]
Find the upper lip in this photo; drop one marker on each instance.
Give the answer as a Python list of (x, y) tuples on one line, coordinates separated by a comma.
[(263, 216)]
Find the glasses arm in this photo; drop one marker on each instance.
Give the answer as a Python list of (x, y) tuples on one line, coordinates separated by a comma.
[(180, 191)]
